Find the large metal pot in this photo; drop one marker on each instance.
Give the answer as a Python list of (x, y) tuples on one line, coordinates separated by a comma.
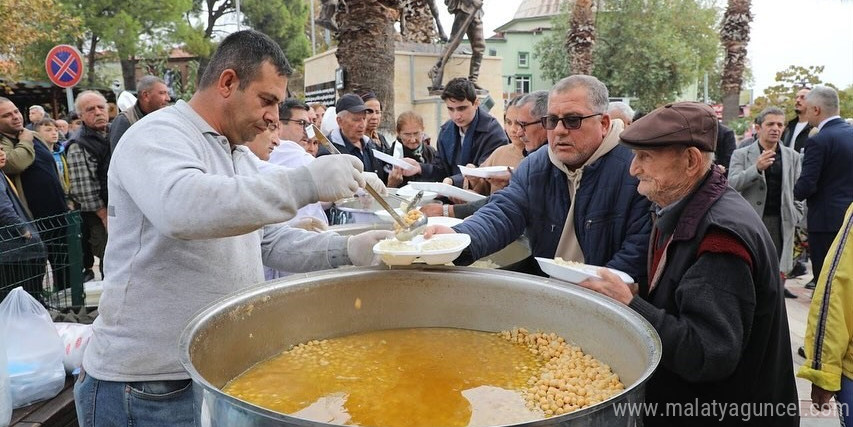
[(238, 331)]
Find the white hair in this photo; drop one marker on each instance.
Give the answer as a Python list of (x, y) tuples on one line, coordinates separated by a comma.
[(824, 97)]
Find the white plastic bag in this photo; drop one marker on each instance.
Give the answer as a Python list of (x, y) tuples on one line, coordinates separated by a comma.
[(5, 393), (33, 348), (75, 339)]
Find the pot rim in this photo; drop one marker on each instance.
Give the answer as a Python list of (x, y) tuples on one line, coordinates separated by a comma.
[(304, 280)]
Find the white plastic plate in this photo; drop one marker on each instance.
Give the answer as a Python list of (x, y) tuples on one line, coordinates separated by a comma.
[(392, 160), (486, 171), (448, 190), (576, 274), (419, 249)]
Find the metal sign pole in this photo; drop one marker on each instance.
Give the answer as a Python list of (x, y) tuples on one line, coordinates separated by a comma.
[(69, 97)]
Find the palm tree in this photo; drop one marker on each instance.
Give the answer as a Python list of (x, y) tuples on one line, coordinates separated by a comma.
[(366, 50), (580, 38), (734, 36)]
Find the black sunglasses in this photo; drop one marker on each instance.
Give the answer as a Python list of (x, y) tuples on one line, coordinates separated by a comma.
[(569, 122), (303, 123)]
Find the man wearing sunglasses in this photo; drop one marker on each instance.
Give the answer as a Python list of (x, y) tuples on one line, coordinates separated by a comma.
[(575, 199)]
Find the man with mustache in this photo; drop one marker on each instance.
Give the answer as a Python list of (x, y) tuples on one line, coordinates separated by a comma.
[(764, 174), (88, 157)]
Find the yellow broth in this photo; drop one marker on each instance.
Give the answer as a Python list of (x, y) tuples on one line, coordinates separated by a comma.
[(400, 377)]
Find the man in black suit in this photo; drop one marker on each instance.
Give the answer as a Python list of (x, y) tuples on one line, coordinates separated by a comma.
[(826, 179), (797, 131)]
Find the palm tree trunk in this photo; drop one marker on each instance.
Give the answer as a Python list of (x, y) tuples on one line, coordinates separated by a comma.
[(366, 51), (734, 36), (580, 38)]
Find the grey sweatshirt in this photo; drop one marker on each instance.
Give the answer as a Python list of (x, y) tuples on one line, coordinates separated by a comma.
[(188, 224)]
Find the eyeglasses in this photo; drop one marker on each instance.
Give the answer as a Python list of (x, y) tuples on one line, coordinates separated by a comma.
[(303, 123), (524, 125), (569, 122), (412, 135)]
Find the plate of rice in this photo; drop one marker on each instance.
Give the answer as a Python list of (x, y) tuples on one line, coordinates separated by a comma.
[(439, 249)]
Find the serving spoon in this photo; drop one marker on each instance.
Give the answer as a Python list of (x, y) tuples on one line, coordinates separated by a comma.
[(407, 232)]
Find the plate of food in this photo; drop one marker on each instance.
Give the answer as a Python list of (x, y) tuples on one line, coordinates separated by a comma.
[(575, 272), (439, 249), (486, 171)]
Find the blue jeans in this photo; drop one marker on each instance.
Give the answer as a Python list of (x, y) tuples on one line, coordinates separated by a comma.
[(844, 398), (139, 404)]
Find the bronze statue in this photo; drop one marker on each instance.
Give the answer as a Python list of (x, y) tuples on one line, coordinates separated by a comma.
[(468, 20), (419, 20)]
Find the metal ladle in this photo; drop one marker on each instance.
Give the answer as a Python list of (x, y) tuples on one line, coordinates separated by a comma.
[(407, 232)]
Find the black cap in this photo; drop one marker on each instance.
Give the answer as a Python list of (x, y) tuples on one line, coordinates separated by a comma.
[(350, 102)]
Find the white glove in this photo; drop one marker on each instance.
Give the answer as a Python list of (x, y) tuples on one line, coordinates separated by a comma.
[(336, 176), (374, 181), (360, 246)]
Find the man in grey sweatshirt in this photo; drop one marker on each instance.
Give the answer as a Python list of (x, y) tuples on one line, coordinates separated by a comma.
[(190, 221)]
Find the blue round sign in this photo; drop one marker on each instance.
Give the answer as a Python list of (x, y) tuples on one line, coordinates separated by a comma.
[(64, 66)]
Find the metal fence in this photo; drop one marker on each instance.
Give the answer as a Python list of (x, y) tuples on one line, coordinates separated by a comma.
[(47, 263)]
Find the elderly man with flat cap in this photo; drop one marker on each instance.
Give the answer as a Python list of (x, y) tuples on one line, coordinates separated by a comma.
[(714, 293)]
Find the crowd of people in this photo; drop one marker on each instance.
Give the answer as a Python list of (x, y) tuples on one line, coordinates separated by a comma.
[(184, 203)]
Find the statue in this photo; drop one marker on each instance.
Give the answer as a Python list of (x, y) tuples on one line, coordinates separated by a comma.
[(419, 20), (328, 9), (468, 20)]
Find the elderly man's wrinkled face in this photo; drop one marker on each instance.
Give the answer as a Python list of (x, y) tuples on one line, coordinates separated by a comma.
[(530, 128), (662, 173), (11, 119), (62, 126), (353, 126), (93, 111), (574, 146), (36, 115)]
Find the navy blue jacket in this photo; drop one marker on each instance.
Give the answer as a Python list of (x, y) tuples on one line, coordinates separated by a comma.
[(612, 220), (488, 136), (826, 178)]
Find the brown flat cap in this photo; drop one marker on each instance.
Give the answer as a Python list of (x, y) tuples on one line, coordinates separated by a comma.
[(681, 123)]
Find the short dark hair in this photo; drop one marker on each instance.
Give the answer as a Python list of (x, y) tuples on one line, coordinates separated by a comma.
[(285, 108), (776, 111), (47, 121), (460, 89), (367, 95), (244, 52)]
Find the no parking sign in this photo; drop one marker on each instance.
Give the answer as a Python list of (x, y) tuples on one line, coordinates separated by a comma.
[(64, 66)]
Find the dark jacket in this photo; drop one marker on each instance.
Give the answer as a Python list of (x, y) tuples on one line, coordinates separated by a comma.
[(726, 145), (720, 312), (41, 186), (611, 219), (488, 135), (802, 137), (826, 178), (123, 121)]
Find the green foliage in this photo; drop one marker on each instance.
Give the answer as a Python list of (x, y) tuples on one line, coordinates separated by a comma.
[(649, 50), (790, 81), (282, 20)]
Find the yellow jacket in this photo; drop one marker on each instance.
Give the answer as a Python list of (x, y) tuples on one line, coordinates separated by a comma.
[(829, 333)]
